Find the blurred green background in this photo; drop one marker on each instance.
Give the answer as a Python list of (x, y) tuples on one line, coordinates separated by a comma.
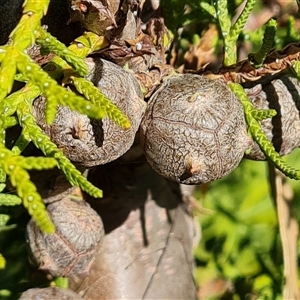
[(240, 254)]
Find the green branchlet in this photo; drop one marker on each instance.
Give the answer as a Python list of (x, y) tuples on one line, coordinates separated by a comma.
[(14, 59), (230, 33), (29, 91), (12, 165), (85, 87), (7, 73), (82, 47), (2, 175), (8, 199), (55, 93), (15, 167), (51, 44), (210, 9), (21, 143), (43, 142), (88, 43), (91, 92), (41, 82), (61, 282), (242, 19), (259, 136), (3, 220), (267, 44), (22, 37), (10, 122), (223, 17), (261, 114)]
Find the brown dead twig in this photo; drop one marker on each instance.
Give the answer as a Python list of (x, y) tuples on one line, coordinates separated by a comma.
[(276, 61)]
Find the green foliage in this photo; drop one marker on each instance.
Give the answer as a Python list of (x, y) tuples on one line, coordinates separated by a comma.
[(82, 46), (242, 249), (259, 136), (17, 64), (61, 282), (21, 38), (239, 238), (267, 44), (208, 8), (291, 34), (87, 44), (51, 44), (13, 59), (9, 199), (15, 167), (261, 114), (93, 94), (43, 142), (231, 33), (55, 93)]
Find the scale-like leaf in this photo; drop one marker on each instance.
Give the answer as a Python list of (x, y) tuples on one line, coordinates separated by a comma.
[(50, 43), (37, 163), (260, 137), (261, 114), (93, 94), (26, 190), (267, 44), (7, 73), (55, 93), (88, 43), (24, 34), (3, 220), (43, 142), (9, 199), (231, 33), (21, 143), (32, 200), (29, 91)]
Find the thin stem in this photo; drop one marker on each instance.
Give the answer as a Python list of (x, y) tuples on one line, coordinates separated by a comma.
[(288, 227), (267, 43), (230, 37)]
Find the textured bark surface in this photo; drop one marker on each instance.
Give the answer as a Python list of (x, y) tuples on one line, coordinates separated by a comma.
[(93, 142), (280, 92), (194, 130), (72, 247), (49, 293), (147, 251)]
